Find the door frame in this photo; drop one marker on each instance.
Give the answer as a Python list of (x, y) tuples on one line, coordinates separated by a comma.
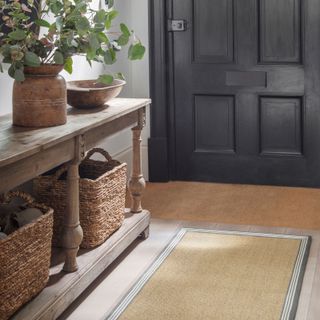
[(161, 144)]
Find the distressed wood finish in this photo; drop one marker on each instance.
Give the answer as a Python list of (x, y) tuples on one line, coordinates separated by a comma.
[(26, 153), (19, 143), (36, 106), (137, 182), (88, 94), (72, 233)]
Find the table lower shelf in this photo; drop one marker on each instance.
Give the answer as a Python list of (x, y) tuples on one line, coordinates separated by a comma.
[(63, 288)]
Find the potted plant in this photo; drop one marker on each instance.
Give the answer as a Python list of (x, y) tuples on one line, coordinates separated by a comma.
[(39, 39)]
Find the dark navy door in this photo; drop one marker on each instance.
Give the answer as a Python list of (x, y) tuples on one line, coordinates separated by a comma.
[(247, 91)]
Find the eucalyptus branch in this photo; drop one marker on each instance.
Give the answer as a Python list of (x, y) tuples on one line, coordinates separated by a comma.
[(78, 30)]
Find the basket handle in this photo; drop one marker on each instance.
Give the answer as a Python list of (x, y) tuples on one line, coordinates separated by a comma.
[(98, 150), (89, 154), (29, 200), (60, 172)]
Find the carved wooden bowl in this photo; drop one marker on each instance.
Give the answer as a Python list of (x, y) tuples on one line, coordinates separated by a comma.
[(88, 94)]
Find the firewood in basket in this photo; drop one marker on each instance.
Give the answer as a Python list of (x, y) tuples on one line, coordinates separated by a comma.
[(27, 216), (5, 211), (2, 235), (11, 225)]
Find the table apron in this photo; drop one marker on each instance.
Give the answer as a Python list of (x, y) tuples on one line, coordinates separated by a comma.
[(21, 171)]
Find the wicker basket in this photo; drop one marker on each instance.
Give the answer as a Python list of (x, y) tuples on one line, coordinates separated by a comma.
[(102, 197), (24, 259)]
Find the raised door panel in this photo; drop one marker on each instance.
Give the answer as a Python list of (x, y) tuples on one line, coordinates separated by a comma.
[(214, 124), (280, 31), (281, 126), (213, 25)]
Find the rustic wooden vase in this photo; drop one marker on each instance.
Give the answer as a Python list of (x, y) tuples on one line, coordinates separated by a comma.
[(40, 100)]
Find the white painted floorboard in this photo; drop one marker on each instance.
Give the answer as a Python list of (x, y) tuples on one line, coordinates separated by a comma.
[(106, 292)]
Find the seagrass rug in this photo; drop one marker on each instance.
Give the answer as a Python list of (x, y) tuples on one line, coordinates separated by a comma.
[(220, 275)]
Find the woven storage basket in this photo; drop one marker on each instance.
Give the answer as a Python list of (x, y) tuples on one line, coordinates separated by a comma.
[(24, 258), (102, 197)]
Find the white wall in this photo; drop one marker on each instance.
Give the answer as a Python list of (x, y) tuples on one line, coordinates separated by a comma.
[(135, 14), (139, 81), (5, 93)]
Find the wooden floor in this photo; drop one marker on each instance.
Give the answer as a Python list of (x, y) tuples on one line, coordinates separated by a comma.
[(98, 301)]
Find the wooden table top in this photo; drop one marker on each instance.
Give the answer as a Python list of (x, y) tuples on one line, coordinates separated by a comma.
[(17, 143)]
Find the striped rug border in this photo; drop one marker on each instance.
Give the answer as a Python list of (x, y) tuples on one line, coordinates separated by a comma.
[(292, 298)]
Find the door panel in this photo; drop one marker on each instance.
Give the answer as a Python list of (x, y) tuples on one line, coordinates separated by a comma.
[(246, 79), (280, 31), (281, 126), (214, 124), (213, 31)]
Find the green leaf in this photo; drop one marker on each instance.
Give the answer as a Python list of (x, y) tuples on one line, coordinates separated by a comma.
[(7, 60), (59, 23), (94, 41), (120, 76), (103, 38), (124, 29), (16, 72), (68, 65), (81, 6), (91, 54), (100, 16), (58, 57), (98, 27), (70, 38), (109, 17), (110, 56), (89, 61), (123, 40), (19, 75), (112, 14), (110, 3), (42, 23), (31, 59), (136, 51), (70, 41), (6, 50), (56, 7), (53, 28), (17, 35), (82, 25), (106, 79), (11, 71)]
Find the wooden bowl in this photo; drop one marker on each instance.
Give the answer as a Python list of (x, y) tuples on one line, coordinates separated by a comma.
[(88, 94)]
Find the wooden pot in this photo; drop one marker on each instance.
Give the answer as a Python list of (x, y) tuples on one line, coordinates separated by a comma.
[(40, 100)]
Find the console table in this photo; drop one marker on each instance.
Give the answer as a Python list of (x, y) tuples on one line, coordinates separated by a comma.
[(26, 153)]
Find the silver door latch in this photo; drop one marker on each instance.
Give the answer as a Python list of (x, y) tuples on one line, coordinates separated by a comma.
[(177, 25)]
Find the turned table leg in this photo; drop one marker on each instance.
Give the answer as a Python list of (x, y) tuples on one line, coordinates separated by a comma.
[(137, 182), (72, 233)]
